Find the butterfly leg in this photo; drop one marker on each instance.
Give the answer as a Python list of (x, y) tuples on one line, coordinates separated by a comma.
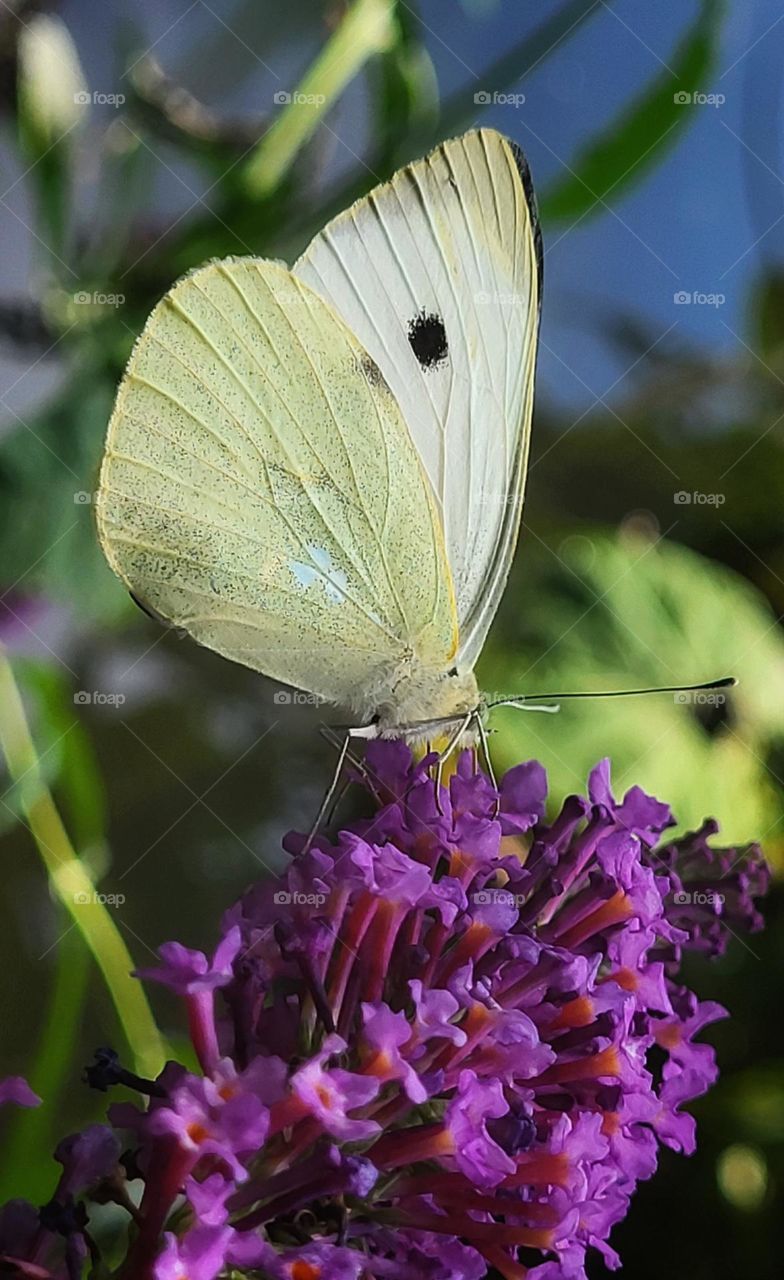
[(341, 744), (444, 755), (485, 746), (437, 782), (331, 791), (336, 803)]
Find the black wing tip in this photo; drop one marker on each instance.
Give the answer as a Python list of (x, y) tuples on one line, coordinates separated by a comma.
[(524, 170), (526, 178)]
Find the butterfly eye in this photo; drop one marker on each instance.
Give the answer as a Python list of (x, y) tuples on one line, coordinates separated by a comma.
[(427, 337)]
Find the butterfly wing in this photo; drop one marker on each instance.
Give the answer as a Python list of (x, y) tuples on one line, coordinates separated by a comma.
[(260, 489), (438, 273)]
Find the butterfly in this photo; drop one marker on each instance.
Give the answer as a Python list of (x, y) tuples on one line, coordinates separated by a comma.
[(318, 471)]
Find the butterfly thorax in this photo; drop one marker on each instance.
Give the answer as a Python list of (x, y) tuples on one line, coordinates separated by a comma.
[(415, 696)]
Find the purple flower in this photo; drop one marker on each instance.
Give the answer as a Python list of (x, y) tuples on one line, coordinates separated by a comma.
[(523, 796), (16, 1089), (387, 872), (318, 1262), (198, 1255), (191, 974), (20, 1228), (445, 1050), (675, 1036), (327, 1094), (476, 1154), (637, 811), (225, 1116), (86, 1157), (434, 1011), (385, 1034), (713, 890), (188, 972), (208, 1198)]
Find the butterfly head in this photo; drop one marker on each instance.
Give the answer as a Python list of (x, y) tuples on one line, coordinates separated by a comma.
[(417, 698)]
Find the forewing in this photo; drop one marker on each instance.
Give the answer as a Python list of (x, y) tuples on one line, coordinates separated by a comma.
[(438, 273), (260, 490)]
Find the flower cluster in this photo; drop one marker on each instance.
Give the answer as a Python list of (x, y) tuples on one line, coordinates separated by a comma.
[(446, 1046)]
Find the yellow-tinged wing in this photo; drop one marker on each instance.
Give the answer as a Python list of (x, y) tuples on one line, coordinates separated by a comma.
[(260, 489), (438, 273)]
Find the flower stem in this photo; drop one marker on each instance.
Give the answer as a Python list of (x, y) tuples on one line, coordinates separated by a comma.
[(367, 28), (71, 882)]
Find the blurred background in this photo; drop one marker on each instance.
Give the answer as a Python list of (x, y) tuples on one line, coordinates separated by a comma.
[(139, 141)]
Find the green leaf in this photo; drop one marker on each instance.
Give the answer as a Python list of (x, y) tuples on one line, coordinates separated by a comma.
[(460, 110), (588, 611), (634, 141), (406, 88)]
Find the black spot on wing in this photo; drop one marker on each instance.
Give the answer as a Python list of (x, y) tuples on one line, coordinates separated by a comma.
[(427, 338)]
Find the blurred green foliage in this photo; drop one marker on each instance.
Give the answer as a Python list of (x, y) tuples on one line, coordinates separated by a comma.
[(615, 585), (592, 610)]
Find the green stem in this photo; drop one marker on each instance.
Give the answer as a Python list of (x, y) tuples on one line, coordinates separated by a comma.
[(367, 28), (26, 1169), (71, 881)]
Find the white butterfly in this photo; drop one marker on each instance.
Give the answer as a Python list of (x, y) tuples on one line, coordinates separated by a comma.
[(319, 472)]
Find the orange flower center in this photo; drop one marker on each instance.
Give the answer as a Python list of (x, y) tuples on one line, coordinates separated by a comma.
[(669, 1035), (304, 1270)]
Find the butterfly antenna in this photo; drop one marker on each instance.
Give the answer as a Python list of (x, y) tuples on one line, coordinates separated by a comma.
[(726, 682)]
